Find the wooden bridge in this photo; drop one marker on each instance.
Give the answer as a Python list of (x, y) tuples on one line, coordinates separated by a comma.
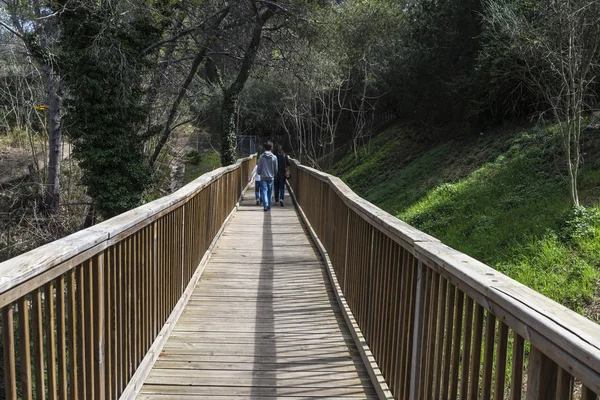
[(202, 295)]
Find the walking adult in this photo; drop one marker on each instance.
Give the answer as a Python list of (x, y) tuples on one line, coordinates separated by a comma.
[(267, 169), (283, 161)]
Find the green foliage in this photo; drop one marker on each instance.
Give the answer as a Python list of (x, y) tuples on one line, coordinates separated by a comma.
[(193, 157), (435, 70), (499, 198), (200, 163), (103, 70)]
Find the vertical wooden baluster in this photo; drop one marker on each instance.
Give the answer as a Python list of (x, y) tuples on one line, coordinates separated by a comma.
[(516, 380), (440, 338), (403, 321), (73, 351), (374, 304), (476, 353), (24, 347), (97, 282), (456, 343), (108, 318), (38, 344), (154, 273), (127, 311), (501, 361), (147, 289), (412, 280), (89, 330), (162, 282), (62, 339), (417, 335), (425, 332), (50, 341), (448, 340), (564, 385), (488, 356), (135, 297), (391, 315), (587, 394), (141, 339), (466, 350), (119, 291), (8, 348), (431, 338), (392, 322), (81, 336)]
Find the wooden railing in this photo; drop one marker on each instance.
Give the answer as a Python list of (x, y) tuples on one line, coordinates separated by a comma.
[(80, 315), (438, 323)]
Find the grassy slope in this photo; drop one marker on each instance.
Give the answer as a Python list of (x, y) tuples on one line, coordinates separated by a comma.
[(501, 198)]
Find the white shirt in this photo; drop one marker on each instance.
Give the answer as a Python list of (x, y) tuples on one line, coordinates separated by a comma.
[(256, 176)]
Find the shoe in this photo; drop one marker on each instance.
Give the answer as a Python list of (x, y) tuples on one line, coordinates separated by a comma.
[(258, 202), (281, 203), (266, 209)]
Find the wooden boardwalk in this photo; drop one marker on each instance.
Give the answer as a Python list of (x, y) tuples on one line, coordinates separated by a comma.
[(262, 321)]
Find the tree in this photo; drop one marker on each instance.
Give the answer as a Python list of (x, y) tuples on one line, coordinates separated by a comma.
[(263, 12), (104, 69), (557, 46), (36, 27), (213, 21)]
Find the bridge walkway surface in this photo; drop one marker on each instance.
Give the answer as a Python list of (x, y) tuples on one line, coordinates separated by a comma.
[(262, 321)]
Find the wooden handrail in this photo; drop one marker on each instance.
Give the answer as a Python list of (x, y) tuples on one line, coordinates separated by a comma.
[(91, 305), (438, 322)]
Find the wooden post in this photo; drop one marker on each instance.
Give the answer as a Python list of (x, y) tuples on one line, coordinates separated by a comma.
[(415, 364), (541, 376)]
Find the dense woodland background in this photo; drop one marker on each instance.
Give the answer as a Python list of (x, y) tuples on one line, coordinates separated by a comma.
[(474, 120)]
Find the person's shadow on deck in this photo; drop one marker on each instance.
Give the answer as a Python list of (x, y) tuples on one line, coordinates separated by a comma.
[(264, 378)]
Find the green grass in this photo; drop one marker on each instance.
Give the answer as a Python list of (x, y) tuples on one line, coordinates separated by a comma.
[(501, 198), (200, 163)]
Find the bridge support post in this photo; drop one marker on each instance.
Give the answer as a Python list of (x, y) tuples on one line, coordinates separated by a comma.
[(541, 376), (415, 365)]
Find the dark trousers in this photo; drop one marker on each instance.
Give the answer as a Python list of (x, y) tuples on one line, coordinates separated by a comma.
[(279, 187)]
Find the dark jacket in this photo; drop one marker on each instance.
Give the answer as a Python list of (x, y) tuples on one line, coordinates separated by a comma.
[(282, 161)]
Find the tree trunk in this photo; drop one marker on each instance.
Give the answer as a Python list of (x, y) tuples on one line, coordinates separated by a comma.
[(232, 94), (52, 192), (190, 77), (228, 131)]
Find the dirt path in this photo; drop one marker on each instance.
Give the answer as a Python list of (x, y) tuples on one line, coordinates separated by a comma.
[(17, 163)]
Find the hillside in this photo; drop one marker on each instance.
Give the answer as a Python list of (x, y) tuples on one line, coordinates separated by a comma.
[(500, 197)]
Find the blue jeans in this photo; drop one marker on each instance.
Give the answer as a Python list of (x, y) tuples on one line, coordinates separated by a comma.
[(279, 186), (258, 190), (267, 192)]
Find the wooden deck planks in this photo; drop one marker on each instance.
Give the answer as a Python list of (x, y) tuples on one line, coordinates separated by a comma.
[(262, 321)]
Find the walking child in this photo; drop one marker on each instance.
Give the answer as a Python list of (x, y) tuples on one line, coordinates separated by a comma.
[(257, 185)]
